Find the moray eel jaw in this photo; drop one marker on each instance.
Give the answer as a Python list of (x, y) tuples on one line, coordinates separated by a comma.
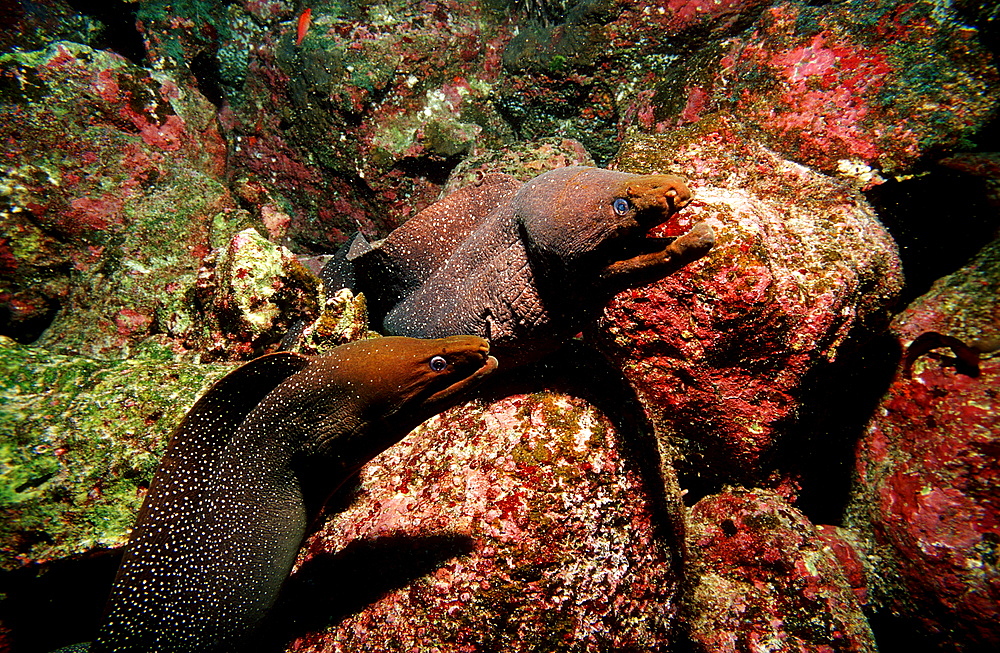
[(471, 363)]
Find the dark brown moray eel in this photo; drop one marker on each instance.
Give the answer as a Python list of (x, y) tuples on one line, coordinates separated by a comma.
[(251, 466), (525, 265)]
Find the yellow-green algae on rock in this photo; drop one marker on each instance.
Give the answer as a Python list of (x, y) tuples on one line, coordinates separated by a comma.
[(79, 441)]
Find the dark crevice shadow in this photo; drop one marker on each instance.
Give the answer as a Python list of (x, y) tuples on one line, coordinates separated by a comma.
[(118, 32), (939, 221), (837, 404), (56, 603), (330, 587)]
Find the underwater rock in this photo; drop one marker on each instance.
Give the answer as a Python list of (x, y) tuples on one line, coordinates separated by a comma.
[(359, 124), (112, 193), (33, 26), (81, 440), (763, 578), (257, 290), (602, 68), (927, 481), (343, 317), (521, 524), (852, 86), (719, 350), (521, 160)]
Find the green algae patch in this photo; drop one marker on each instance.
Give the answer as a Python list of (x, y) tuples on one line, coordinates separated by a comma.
[(79, 441)]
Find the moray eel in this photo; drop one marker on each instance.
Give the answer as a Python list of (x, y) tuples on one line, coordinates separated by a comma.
[(251, 466), (525, 265), (966, 360)]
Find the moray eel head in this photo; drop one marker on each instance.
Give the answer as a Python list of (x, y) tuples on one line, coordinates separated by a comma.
[(394, 383), (579, 214), (425, 373)]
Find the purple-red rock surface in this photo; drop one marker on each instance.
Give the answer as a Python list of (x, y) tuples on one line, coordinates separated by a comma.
[(520, 524), (850, 84), (764, 579), (112, 192), (928, 478), (719, 350)]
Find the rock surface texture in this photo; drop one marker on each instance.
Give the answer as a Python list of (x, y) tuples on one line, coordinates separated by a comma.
[(928, 477), (719, 352), (519, 524), (764, 579), (174, 172)]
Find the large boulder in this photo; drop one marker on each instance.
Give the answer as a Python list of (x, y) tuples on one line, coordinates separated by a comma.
[(516, 524), (763, 577), (927, 485), (720, 350)]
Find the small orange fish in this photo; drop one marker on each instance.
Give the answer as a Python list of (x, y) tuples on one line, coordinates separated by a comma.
[(303, 26)]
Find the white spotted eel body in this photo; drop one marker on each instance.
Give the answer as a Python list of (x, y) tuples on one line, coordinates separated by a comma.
[(250, 466)]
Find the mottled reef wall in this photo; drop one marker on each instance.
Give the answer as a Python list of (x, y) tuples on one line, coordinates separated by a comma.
[(751, 454)]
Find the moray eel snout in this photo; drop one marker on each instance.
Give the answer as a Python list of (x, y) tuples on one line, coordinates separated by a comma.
[(466, 361), (398, 373), (666, 193)]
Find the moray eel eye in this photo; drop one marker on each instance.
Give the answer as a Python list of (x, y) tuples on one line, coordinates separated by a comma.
[(438, 363), (621, 206)]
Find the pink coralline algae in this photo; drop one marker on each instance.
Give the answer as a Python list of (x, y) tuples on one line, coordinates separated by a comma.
[(718, 351), (673, 17), (102, 160), (358, 125), (877, 83), (763, 579), (928, 477), (515, 525)]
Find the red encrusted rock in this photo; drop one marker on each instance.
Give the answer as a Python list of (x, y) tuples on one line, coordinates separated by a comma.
[(518, 525), (718, 351), (357, 125), (928, 476), (600, 69), (112, 190), (856, 83), (763, 579)]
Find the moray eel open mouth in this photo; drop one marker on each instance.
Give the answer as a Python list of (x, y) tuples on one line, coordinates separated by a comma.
[(645, 204)]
